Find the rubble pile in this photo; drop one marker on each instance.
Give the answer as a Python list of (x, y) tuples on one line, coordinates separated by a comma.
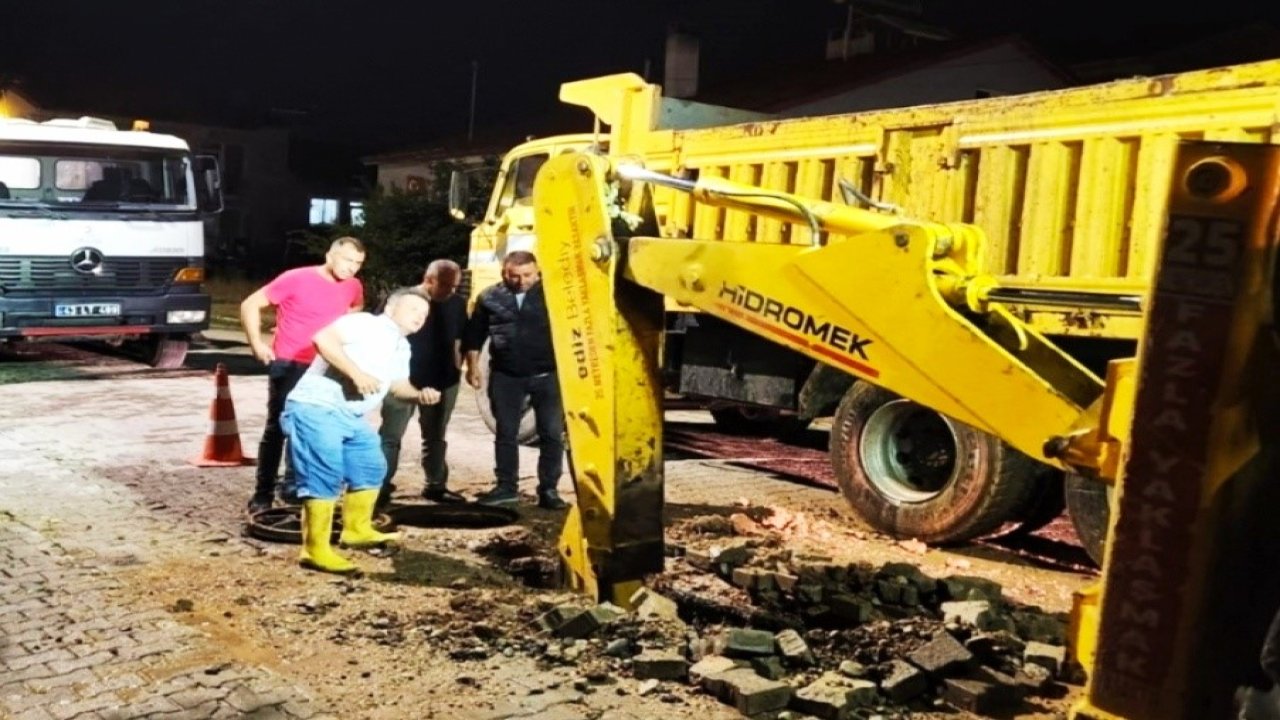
[(771, 632)]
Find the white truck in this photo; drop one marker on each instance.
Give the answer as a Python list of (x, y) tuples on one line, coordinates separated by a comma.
[(102, 236)]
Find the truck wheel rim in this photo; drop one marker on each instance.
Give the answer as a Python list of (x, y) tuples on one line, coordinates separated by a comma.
[(909, 452)]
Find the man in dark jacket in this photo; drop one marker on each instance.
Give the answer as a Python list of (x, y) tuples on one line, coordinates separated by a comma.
[(437, 357), (512, 316)]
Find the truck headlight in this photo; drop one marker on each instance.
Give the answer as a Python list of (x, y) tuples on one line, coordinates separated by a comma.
[(184, 317)]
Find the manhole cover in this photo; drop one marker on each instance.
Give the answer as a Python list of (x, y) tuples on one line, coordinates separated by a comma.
[(284, 524), (452, 516)]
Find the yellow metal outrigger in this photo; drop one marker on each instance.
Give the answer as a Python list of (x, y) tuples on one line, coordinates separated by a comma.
[(903, 305)]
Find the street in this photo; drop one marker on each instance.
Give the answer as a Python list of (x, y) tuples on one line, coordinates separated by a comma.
[(128, 589)]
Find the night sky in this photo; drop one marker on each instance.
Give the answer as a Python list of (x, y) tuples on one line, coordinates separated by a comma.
[(384, 73)]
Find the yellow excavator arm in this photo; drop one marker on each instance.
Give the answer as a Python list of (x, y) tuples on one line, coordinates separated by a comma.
[(897, 303)]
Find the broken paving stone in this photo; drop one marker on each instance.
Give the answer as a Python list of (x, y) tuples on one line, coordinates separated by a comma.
[(810, 593), (588, 621), (746, 578), (752, 694), (619, 648), (556, 616), (988, 646), (1035, 679), (966, 587), (1038, 627), (786, 582), (851, 608), (832, 694), (707, 672), (743, 642), (659, 665), (649, 604), (852, 669), (903, 682), (1050, 657), (943, 655), (911, 574), (648, 686), (793, 648), (769, 667), (971, 613), (984, 692)]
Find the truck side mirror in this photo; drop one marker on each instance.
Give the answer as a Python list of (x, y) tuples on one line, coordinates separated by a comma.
[(208, 187), (459, 195)]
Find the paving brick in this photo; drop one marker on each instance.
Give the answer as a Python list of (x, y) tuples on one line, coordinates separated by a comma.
[(649, 604), (903, 682), (246, 700), (708, 672), (91, 705), (659, 665), (752, 694), (942, 655), (77, 663), (793, 648), (742, 642), (35, 713), (1050, 657), (974, 613), (40, 658), (63, 680), (833, 694), (196, 696)]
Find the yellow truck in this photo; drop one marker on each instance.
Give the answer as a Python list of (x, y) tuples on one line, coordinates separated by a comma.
[(1069, 189)]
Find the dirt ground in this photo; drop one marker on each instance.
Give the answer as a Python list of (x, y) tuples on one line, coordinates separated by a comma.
[(440, 629)]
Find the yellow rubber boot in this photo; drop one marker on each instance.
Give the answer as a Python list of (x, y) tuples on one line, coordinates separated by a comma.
[(357, 521), (317, 526)]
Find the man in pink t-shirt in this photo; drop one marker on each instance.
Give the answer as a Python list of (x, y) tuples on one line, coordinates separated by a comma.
[(306, 299)]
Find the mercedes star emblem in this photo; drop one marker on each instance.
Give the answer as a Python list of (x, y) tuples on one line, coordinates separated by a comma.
[(87, 261)]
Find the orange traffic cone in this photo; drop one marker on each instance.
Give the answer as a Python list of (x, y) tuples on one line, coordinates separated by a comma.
[(222, 444)]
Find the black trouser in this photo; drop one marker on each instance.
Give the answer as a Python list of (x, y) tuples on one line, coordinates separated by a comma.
[(507, 394), (282, 375)]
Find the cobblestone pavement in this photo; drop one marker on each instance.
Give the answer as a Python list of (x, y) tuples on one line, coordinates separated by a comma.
[(93, 485), (70, 526), (95, 491)]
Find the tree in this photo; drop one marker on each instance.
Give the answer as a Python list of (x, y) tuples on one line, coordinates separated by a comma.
[(402, 233)]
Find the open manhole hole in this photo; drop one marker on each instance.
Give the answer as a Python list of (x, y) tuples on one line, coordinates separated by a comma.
[(284, 524), (452, 516)]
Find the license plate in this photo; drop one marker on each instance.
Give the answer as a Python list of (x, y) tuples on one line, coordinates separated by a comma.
[(87, 310)]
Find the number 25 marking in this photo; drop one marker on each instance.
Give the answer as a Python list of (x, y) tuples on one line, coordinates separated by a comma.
[(1204, 243)]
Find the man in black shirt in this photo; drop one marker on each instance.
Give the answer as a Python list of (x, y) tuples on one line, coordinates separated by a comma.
[(512, 316), (436, 363)]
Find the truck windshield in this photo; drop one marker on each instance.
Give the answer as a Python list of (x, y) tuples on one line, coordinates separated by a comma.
[(94, 177)]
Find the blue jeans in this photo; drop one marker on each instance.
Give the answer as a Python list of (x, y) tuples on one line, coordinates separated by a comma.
[(330, 447), (506, 398)]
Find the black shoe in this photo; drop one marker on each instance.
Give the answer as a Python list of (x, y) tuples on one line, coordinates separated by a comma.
[(551, 501), (500, 497), (443, 496), (259, 503)]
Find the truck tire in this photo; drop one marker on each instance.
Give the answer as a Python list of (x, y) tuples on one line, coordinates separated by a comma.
[(164, 352), (1045, 501), (1089, 502), (910, 472), (528, 434)]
